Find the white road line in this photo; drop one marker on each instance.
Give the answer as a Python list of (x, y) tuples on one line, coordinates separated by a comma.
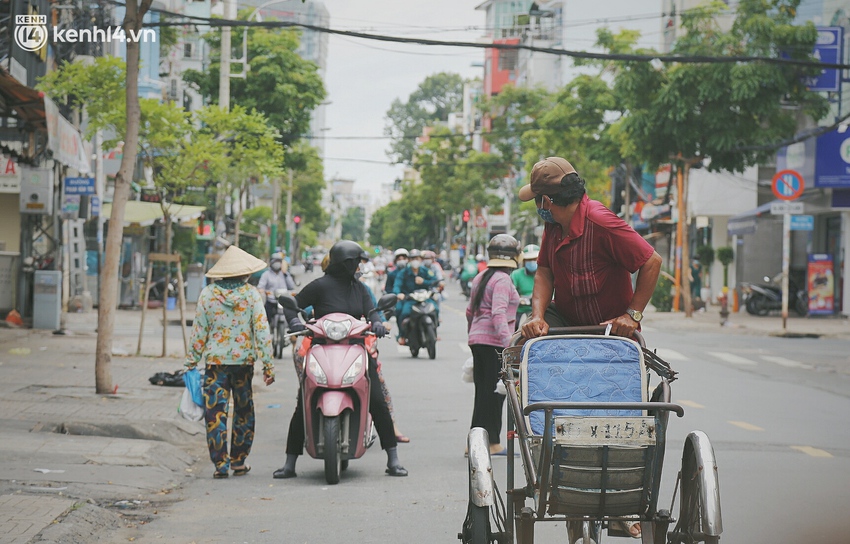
[(814, 452), (670, 355), (402, 349), (690, 403), (746, 426), (788, 363), (464, 348), (732, 358)]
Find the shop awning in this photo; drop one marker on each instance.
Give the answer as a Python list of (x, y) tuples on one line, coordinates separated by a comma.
[(745, 222), (144, 214)]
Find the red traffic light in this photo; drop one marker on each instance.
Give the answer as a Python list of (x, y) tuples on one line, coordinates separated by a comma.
[(466, 216), (296, 219)]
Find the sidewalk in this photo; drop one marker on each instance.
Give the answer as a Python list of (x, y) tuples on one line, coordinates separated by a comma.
[(744, 323), (93, 462)]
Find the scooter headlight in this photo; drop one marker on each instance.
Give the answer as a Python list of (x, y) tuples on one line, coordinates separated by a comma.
[(316, 370), (353, 371), (336, 330)]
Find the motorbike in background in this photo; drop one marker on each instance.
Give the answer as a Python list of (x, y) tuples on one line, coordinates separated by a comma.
[(762, 298), (420, 327)]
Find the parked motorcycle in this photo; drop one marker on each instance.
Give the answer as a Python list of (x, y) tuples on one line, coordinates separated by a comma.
[(420, 327), (335, 386), (763, 298), (279, 328)]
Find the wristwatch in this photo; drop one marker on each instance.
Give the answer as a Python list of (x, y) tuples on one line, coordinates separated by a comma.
[(637, 315)]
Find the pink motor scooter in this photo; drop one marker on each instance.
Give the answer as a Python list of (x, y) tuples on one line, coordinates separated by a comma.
[(335, 386)]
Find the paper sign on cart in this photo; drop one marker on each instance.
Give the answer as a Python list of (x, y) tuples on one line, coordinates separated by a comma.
[(605, 431)]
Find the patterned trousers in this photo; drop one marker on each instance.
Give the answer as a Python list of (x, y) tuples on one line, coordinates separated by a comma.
[(220, 381)]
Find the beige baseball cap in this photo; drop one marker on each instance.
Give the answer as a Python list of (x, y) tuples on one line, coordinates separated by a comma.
[(546, 178)]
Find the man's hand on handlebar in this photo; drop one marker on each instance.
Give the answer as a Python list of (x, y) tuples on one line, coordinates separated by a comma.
[(622, 326), (535, 327)]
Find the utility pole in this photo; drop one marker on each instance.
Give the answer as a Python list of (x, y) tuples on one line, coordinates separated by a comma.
[(289, 215), (275, 216), (680, 205), (224, 67)]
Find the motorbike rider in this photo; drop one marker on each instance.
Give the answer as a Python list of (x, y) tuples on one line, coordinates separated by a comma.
[(339, 291), (400, 258), (469, 271), (523, 278), (414, 277), (275, 277)]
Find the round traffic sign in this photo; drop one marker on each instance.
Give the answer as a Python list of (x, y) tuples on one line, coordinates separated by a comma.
[(788, 185)]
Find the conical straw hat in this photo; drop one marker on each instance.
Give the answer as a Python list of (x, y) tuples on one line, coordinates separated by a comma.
[(234, 263)]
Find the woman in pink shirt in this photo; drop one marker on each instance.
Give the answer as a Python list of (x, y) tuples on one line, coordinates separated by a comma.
[(490, 322)]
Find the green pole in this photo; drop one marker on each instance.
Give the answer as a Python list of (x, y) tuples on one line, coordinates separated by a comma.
[(273, 238)]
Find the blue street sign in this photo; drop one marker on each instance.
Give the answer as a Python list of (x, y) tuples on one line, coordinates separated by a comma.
[(828, 49), (802, 222), (95, 206), (832, 160), (80, 186)]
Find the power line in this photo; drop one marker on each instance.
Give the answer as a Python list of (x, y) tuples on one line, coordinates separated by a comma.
[(684, 59)]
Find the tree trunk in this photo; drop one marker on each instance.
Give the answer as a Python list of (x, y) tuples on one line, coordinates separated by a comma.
[(686, 261), (109, 277), (238, 227)]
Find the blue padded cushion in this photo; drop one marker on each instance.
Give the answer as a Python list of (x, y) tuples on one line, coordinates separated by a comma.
[(582, 370)]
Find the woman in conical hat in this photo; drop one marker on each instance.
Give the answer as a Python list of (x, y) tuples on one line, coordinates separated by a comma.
[(230, 333)]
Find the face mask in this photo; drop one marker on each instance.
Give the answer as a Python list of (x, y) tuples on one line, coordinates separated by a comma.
[(276, 267), (546, 215), (427, 262), (401, 263), (416, 263), (531, 267)]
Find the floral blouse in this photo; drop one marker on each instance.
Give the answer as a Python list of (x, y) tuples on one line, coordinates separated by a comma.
[(230, 328)]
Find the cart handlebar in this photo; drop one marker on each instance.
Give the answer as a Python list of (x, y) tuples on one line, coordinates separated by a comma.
[(662, 406)]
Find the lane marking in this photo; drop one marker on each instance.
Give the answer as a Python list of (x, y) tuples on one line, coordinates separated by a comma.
[(670, 355), (464, 348), (813, 452), (787, 363), (746, 426), (691, 403), (732, 358)]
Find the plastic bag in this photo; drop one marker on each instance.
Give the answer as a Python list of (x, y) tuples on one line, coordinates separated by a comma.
[(188, 409), (467, 371), (192, 379)]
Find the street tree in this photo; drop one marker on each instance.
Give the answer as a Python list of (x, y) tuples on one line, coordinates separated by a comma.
[(432, 102), (354, 224), (252, 151), (102, 100), (280, 83), (718, 114)]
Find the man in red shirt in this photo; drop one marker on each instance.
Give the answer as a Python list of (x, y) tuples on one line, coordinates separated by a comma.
[(586, 258)]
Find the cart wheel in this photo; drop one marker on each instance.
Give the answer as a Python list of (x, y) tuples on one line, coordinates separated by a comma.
[(476, 527), (699, 502)]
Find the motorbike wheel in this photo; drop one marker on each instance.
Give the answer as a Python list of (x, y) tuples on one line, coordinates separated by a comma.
[(756, 306), (801, 307), (333, 453), (431, 343), (414, 352)]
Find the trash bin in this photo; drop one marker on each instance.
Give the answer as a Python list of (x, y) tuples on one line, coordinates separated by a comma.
[(195, 281), (47, 300)]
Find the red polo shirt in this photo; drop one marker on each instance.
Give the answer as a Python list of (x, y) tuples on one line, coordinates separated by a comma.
[(592, 265)]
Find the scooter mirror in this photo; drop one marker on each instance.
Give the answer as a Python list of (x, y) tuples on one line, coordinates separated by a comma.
[(288, 302), (387, 301)]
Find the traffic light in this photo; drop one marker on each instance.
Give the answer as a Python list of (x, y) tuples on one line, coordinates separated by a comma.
[(297, 221), (466, 216)]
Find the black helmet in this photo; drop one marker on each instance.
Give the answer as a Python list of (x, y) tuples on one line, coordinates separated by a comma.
[(344, 250), (504, 251)]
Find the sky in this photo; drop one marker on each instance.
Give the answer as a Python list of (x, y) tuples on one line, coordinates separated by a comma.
[(364, 77)]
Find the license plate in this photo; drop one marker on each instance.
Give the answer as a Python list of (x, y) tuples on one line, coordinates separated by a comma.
[(621, 431)]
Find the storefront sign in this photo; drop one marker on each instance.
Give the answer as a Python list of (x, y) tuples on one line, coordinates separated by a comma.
[(802, 222), (821, 285), (80, 186), (65, 141), (10, 176), (832, 164)]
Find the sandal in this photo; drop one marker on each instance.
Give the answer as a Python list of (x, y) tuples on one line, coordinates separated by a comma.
[(241, 470), (625, 528), (401, 438), (220, 475)]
